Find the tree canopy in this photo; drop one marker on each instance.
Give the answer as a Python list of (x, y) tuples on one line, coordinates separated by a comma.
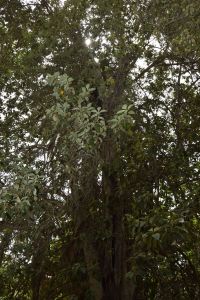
[(99, 149)]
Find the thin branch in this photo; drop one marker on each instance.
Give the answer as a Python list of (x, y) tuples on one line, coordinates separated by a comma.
[(153, 64)]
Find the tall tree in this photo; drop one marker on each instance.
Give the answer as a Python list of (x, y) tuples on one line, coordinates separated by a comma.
[(99, 149)]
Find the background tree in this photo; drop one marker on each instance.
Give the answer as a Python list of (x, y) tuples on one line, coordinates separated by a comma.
[(100, 159)]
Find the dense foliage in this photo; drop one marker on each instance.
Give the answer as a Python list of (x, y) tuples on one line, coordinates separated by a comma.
[(99, 149)]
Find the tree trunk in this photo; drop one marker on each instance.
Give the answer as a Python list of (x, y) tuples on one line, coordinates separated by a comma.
[(115, 284), (92, 263)]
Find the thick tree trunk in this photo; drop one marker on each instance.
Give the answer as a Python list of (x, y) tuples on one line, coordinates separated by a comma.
[(85, 195), (115, 284), (92, 263), (106, 264)]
